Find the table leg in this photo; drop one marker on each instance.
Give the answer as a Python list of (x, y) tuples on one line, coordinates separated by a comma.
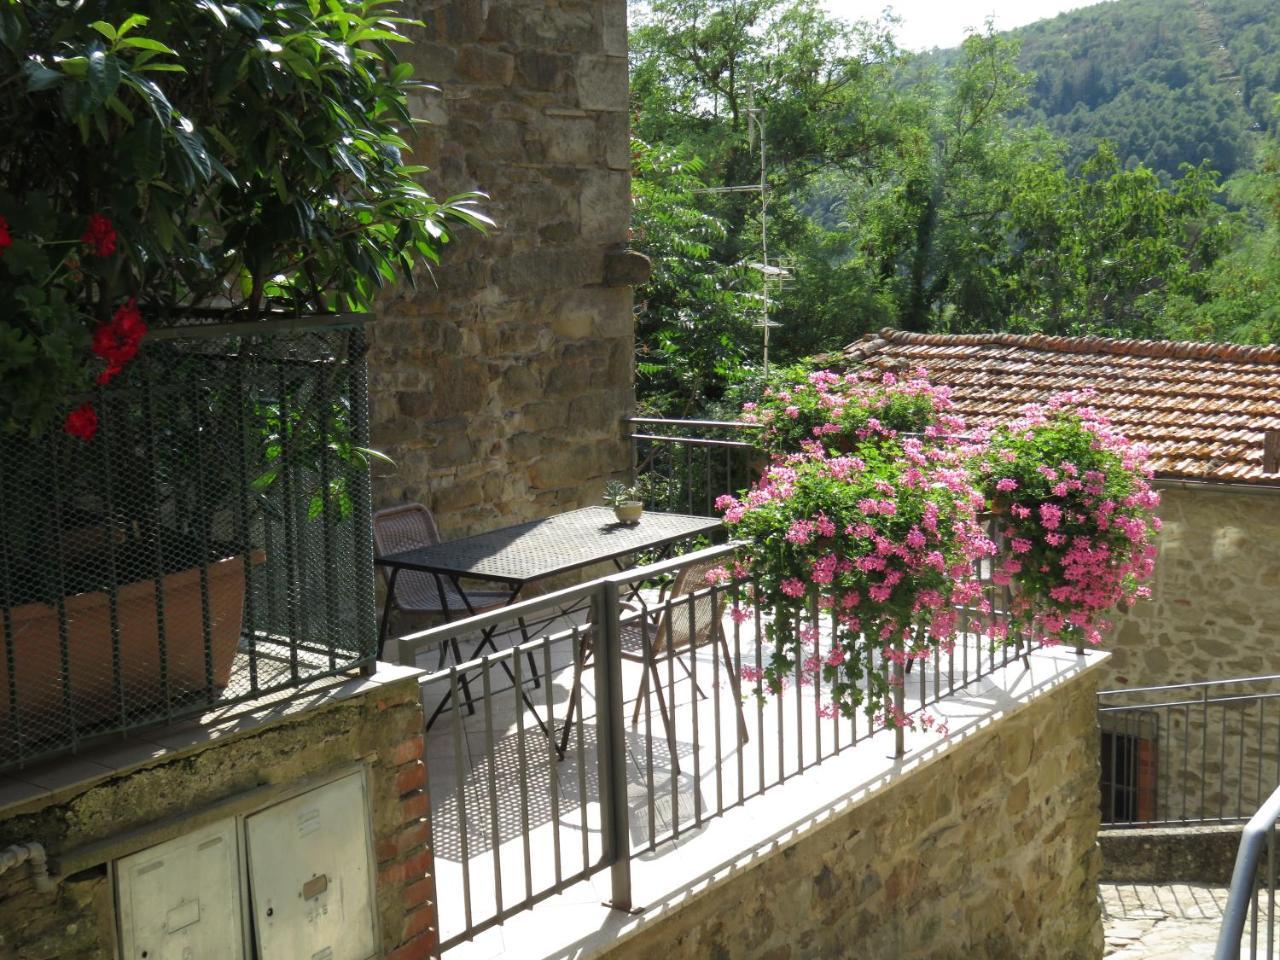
[(487, 641), (386, 611), (664, 552)]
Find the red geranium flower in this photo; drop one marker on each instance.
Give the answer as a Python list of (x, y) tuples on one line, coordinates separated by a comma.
[(117, 340), (6, 241), (100, 235), (82, 422)]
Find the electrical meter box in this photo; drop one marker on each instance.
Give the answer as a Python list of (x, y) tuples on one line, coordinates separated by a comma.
[(180, 900), (311, 875)]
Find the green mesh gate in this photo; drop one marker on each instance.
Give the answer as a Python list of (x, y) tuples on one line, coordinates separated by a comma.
[(210, 544)]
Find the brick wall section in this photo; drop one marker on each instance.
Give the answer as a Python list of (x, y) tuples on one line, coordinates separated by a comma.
[(382, 726), (500, 389), (989, 851)]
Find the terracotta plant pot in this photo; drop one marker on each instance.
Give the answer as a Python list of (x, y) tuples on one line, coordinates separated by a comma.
[(629, 512), (37, 655)]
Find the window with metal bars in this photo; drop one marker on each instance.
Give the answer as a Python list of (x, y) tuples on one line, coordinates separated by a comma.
[(1128, 784)]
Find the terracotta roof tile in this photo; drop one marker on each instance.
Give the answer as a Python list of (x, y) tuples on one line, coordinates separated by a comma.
[(1202, 408)]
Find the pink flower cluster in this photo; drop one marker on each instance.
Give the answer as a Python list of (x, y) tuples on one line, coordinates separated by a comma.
[(1081, 519), (835, 411), (885, 536), (870, 512)]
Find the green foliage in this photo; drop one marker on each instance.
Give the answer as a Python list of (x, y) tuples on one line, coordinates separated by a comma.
[(903, 191), (1167, 83), (1243, 289), (693, 324), (1108, 251), (249, 155)]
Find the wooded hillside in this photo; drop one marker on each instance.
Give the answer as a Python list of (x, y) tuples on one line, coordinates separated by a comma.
[(1167, 81)]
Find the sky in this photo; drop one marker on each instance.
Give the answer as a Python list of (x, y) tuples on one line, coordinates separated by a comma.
[(944, 23)]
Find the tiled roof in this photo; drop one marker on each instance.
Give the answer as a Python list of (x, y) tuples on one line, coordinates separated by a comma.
[(1202, 408)]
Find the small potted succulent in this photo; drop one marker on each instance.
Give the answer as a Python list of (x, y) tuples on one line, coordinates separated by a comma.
[(626, 502)]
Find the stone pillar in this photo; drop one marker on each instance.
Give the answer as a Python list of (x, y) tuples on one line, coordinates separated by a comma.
[(499, 387)]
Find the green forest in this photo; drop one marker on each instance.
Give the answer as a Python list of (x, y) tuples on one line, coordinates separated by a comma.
[(1168, 82), (1112, 171)]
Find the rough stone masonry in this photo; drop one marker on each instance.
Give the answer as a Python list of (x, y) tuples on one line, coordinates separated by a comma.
[(380, 726), (989, 852), (500, 388)]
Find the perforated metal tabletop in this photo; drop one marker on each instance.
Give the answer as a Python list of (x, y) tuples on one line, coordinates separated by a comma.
[(526, 552)]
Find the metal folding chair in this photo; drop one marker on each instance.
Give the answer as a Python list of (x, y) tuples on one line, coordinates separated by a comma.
[(688, 618), (419, 594)]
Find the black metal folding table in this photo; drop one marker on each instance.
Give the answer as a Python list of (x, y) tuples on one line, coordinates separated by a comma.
[(525, 553)]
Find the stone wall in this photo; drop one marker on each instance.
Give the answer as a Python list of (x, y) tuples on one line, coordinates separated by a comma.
[(1204, 854), (382, 726), (1214, 614), (1215, 606), (500, 389), (989, 851)]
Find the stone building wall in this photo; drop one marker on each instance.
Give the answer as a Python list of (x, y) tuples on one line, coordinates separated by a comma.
[(1214, 614), (500, 389), (380, 726), (989, 851), (1215, 606)]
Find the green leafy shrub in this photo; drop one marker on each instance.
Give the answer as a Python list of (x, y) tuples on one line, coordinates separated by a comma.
[(163, 156)]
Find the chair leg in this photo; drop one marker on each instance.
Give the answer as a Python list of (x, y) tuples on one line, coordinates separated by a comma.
[(640, 696), (462, 677), (697, 690), (736, 687), (575, 699), (533, 664), (667, 719)]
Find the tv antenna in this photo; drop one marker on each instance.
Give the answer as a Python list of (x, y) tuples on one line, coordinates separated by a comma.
[(769, 272)]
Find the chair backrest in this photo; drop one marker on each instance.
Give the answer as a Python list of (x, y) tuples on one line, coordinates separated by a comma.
[(690, 615), (402, 528)]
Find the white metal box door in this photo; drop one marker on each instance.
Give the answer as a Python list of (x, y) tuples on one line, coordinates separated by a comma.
[(310, 877), (180, 900)]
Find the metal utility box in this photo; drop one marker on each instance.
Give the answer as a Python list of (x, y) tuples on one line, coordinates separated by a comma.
[(311, 875), (180, 900)]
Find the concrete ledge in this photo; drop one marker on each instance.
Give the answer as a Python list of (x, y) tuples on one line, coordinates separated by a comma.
[(40, 783), (1170, 854)]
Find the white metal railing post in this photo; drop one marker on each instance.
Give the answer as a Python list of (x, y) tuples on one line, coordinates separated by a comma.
[(1241, 897), (611, 743), (899, 674)]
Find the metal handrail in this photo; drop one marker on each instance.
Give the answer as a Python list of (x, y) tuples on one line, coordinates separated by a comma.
[(707, 424), (1197, 702), (695, 441), (1259, 830), (1189, 684)]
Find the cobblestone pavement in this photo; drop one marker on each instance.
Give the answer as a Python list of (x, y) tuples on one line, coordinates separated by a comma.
[(1170, 922)]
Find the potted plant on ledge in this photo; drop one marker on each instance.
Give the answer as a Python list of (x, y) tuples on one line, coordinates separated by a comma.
[(167, 167)]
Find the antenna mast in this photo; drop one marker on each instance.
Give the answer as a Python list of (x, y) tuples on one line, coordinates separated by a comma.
[(768, 273)]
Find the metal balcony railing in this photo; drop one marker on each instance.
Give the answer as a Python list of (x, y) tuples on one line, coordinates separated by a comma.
[(684, 465), (623, 747), (1206, 752)]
